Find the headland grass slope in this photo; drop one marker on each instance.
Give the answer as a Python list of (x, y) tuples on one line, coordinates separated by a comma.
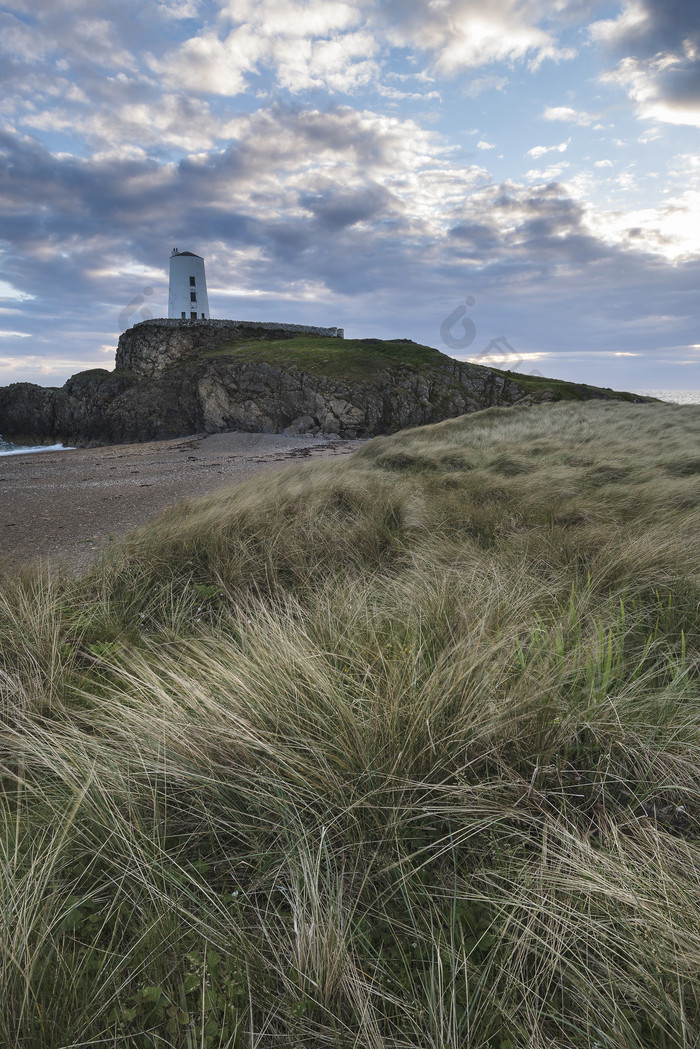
[(174, 380), (397, 751)]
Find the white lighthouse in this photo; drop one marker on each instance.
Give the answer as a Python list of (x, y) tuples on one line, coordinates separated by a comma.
[(187, 299)]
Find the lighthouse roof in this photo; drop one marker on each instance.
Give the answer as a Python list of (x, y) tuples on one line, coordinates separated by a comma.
[(189, 253)]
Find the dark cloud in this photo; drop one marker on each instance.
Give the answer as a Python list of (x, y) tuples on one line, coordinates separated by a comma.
[(342, 208), (660, 53), (682, 86), (303, 212), (666, 26), (75, 233)]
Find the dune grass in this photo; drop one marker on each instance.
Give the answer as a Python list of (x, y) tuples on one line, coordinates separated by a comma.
[(401, 751)]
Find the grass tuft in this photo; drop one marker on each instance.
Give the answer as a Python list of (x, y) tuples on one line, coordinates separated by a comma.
[(399, 751)]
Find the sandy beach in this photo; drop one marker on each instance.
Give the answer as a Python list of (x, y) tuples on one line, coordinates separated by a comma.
[(64, 507)]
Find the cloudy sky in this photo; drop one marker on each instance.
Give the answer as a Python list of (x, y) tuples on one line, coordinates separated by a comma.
[(507, 180)]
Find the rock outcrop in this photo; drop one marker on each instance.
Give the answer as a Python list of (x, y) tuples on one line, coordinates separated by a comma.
[(176, 378), (151, 347)]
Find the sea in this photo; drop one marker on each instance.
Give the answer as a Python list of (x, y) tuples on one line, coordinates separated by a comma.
[(672, 396), (7, 448)]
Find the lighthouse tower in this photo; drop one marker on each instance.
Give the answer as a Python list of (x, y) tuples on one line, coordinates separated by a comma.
[(187, 299)]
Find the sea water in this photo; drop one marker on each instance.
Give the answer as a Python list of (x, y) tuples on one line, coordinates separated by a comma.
[(7, 448), (673, 396)]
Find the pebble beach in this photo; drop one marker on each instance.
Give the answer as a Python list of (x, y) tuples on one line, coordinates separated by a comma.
[(64, 507)]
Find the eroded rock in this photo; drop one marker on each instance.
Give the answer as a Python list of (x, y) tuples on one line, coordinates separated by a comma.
[(173, 380)]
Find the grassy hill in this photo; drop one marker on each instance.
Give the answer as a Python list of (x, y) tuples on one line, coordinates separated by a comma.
[(356, 359), (398, 751), (171, 381), (335, 358)]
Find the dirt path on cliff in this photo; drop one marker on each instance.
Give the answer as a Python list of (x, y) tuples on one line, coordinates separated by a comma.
[(64, 507)]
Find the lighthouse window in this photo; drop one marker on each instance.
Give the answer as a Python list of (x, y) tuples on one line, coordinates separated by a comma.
[(184, 315), (193, 296), (192, 282), (193, 316)]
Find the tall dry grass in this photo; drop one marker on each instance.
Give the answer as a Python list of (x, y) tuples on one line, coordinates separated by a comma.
[(401, 752)]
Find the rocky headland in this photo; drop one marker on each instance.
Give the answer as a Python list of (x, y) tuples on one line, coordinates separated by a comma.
[(174, 378)]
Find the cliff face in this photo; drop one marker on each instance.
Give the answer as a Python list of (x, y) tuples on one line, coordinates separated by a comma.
[(255, 396), (150, 348)]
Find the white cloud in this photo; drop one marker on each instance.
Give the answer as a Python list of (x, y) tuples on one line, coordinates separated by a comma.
[(486, 83), (554, 171), (462, 34), (173, 119), (613, 31), (8, 292), (210, 65), (602, 164), (177, 9), (419, 96), (307, 46), (539, 151), (30, 368), (670, 230), (644, 81), (658, 44), (483, 144), (341, 64), (497, 360), (569, 115), (293, 18)]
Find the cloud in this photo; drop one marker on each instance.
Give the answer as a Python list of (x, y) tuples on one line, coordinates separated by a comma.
[(335, 46), (295, 191), (540, 151), (663, 87), (549, 174), (170, 120), (7, 292), (467, 34), (43, 370), (293, 18), (671, 230), (176, 9), (649, 26), (394, 93), (305, 45), (233, 135), (658, 46), (346, 201), (569, 115), (209, 65), (486, 83)]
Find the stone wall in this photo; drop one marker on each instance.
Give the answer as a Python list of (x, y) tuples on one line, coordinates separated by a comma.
[(151, 346), (296, 329)]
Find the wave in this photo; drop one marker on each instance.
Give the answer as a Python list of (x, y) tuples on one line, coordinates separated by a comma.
[(7, 448)]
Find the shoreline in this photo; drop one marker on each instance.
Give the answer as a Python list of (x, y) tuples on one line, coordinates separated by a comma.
[(64, 507)]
